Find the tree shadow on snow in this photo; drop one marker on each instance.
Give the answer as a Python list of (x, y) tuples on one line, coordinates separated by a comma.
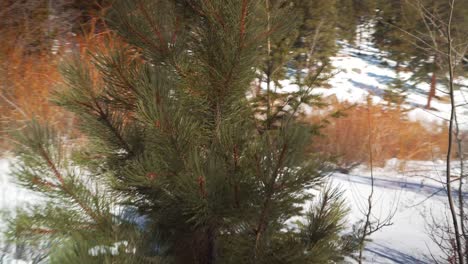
[(370, 88), (384, 79), (397, 184), (396, 256), (368, 56)]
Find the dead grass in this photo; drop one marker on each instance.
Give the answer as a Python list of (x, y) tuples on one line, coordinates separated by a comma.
[(28, 79), (383, 130), (26, 82)]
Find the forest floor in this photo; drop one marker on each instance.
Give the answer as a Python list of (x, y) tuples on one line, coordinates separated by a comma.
[(361, 71), (412, 194), (409, 191)]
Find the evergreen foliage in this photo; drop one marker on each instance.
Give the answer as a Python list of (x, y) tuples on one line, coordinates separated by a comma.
[(317, 37), (177, 168), (409, 33), (392, 19), (298, 48), (277, 48), (395, 92), (351, 14), (323, 227)]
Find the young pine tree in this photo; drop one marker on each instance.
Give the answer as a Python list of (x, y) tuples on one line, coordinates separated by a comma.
[(316, 42), (395, 91), (427, 61), (176, 168), (392, 19), (352, 14)]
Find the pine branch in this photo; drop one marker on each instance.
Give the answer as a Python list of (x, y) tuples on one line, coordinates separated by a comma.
[(63, 186), (263, 220), (154, 26)]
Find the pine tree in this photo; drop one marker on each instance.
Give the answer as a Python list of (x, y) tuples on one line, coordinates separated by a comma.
[(421, 37), (277, 48), (317, 32), (276, 51), (395, 92), (176, 169), (282, 59), (424, 61), (351, 14), (392, 19), (347, 21)]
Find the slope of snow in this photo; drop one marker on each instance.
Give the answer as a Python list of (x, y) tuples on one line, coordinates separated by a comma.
[(362, 71), (11, 196), (414, 197)]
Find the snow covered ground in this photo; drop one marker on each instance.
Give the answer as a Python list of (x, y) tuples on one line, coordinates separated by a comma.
[(413, 194), (10, 197), (362, 70), (411, 191)]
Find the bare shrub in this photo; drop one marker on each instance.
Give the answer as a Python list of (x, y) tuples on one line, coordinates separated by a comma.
[(393, 135)]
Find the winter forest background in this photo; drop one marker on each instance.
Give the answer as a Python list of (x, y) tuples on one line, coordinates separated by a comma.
[(233, 131)]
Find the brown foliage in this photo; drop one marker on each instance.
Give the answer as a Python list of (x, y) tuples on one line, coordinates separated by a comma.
[(27, 78), (391, 134)]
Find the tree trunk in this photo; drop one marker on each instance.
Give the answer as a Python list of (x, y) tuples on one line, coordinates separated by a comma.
[(204, 245), (432, 90), (459, 245), (198, 247)]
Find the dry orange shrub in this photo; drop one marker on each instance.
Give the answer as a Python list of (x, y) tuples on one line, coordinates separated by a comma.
[(384, 130), (27, 82), (29, 79)]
